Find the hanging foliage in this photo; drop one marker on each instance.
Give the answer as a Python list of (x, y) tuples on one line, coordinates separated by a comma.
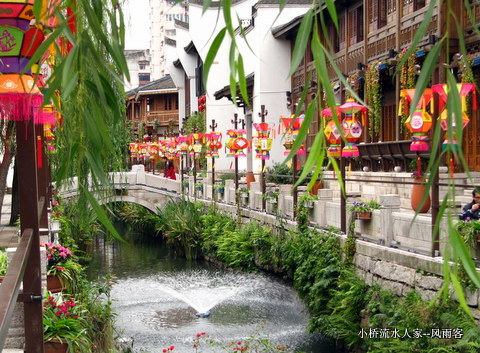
[(408, 78), (373, 95)]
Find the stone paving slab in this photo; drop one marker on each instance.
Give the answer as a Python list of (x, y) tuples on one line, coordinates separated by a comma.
[(13, 351)]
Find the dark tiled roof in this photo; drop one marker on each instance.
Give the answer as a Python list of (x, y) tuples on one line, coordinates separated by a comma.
[(163, 83), (190, 48), (285, 28), (213, 4)]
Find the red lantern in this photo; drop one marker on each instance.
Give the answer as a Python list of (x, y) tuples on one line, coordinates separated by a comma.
[(214, 144)]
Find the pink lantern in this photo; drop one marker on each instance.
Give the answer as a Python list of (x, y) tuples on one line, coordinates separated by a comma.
[(351, 126)]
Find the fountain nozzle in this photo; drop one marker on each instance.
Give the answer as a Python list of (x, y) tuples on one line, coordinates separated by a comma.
[(205, 314)]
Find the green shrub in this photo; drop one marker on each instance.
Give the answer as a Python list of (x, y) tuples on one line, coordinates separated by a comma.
[(3, 263)]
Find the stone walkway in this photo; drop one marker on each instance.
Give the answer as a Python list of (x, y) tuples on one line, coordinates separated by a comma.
[(8, 234)]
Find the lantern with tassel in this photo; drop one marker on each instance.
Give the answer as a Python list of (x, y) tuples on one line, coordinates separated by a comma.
[(214, 144), (196, 141), (263, 142), (332, 134), (420, 122), (464, 89), (291, 127), (351, 126), (182, 146), (20, 98)]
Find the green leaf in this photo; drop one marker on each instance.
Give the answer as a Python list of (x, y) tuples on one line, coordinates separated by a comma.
[(333, 12), (301, 41), (461, 295), (242, 80)]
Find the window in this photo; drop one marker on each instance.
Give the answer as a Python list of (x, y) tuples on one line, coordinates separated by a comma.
[(355, 22), (141, 66), (377, 15), (169, 102), (144, 77)]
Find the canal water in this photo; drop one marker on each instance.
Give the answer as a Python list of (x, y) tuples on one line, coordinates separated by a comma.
[(157, 296)]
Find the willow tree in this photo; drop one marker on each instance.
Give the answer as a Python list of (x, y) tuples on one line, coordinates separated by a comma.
[(85, 50)]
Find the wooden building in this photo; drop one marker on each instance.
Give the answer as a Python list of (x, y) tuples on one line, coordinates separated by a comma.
[(377, 32), (155, 105)]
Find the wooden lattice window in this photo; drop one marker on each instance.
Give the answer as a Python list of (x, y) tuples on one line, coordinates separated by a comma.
[(355, 24), (377, 14)]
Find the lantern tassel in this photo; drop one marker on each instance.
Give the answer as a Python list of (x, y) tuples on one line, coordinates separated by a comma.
[(419, 165), (39, 152), (452, 168), (349, 169)]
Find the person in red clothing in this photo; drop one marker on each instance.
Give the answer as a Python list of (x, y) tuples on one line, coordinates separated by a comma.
[(170, 171)]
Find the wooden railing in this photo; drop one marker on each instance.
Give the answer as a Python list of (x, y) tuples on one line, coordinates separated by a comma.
[(10, 288), (162, 117)]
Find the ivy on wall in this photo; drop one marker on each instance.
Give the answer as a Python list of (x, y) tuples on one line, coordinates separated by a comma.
[(373, 93)]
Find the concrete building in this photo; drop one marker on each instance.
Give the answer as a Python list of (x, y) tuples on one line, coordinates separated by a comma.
[(163, 14), (266, 66), (138, 62)]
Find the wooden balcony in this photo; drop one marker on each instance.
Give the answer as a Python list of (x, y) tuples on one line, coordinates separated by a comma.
[(162, 116)]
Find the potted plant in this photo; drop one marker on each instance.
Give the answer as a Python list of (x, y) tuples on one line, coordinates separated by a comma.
[(62, 269), (271, 196), (469, 230), (308, 200), (186, 184), (199, 189), (63, 325), (363, 210), (219, 188)]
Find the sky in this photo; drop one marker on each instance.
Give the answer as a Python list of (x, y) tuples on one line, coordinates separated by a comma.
[(137, 22)]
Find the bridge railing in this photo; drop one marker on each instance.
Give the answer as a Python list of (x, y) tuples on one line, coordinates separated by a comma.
[(10, 288)]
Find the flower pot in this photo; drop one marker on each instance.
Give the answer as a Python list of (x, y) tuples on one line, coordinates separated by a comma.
[(54, 285), (316, 186), (55, 346), (308, 203), (363, 215), (417, 195)]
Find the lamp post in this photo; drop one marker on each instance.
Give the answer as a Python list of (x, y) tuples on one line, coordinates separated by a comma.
[(263, 113)]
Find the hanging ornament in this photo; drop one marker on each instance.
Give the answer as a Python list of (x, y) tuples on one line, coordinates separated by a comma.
[(214, 144), (420, 122), (182, 145), (232, 135), (196, 142), (291, 127), (240, 143), (263, 142), (332, 134), (351, 126), (464, 89)]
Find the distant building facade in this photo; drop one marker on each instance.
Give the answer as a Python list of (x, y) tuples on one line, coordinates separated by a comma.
[(138, 62)]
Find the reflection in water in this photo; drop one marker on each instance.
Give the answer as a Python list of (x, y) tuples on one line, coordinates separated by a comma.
[(157, 296)]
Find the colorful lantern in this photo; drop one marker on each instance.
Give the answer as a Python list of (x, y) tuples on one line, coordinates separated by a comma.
[(263, 142), (237, 143), (182, 145), (351, 126), (420, 122), (213, 144), (332, 134), (291, 127), (195, 142), (464, 89), (20, 98)]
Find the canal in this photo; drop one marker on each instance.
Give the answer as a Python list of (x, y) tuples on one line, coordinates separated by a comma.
[(156, 297)]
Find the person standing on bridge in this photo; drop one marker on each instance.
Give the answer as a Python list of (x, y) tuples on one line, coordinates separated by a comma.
[(170, 171), (471, 211)]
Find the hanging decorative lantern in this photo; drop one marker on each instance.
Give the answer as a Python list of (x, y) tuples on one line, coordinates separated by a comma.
[(351, 126), (20, 98), (214, 144), (236, 143), (182, 145), (263, 142), (195, 142), (420, 122), (291, 127), (332, 134), (464, 89)]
